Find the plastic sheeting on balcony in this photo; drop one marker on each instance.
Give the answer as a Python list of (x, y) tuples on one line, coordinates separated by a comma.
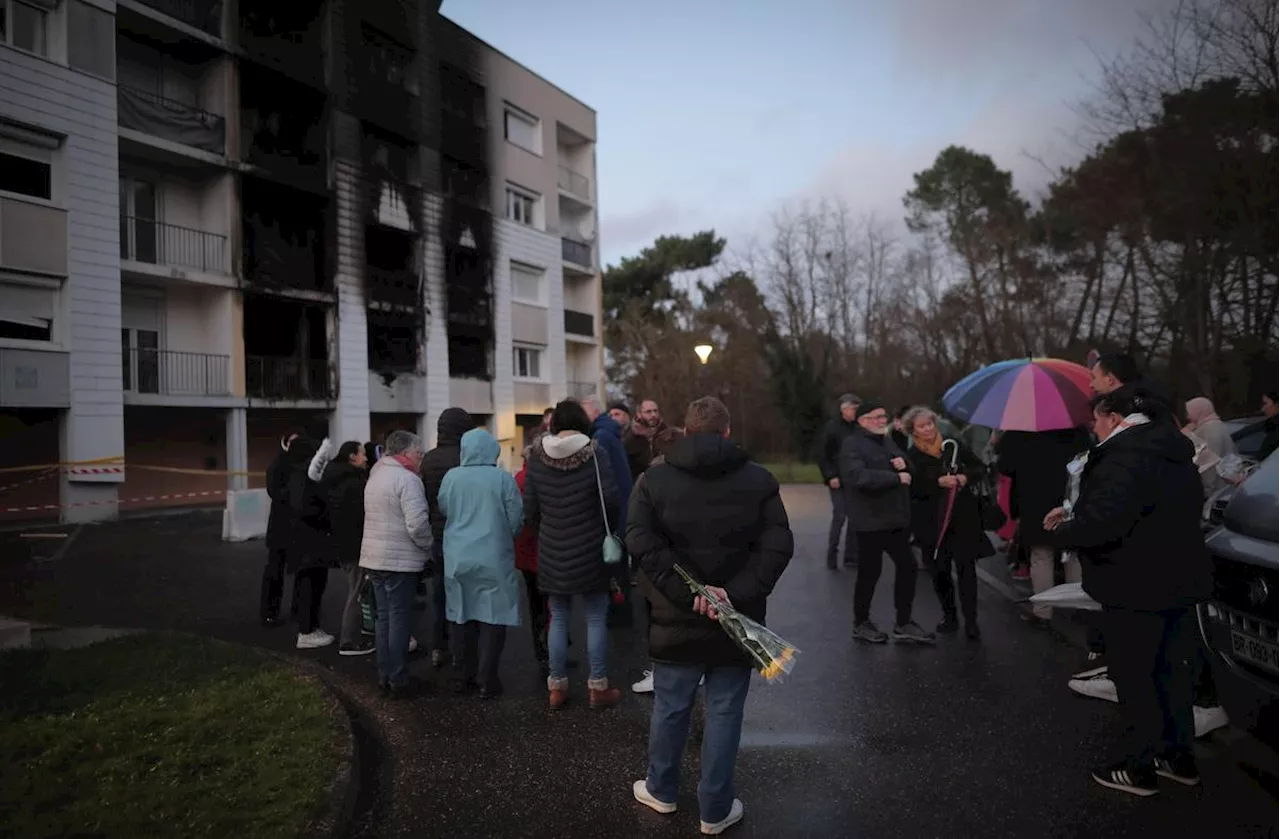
[(172, 121)]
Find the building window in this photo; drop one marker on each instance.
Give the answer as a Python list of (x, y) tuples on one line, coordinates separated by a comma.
[(522, 206), (26, 312), (526, 362), (25, 176), (521, 129), (527, 284), (140, 360), (24, 26), (91, 39)]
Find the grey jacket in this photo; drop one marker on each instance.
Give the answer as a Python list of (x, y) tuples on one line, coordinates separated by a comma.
[(397, 528), (878, 500)]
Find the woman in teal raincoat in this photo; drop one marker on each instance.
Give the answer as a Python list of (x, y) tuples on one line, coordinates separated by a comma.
[(483, 514)]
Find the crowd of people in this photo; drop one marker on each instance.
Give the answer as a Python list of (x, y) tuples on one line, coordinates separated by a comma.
[(603, 501), (606, 500)]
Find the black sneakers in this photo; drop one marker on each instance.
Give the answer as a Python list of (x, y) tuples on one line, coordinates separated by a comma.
[(1180, 769), (1127, 778), (1095, 664), (870, 633), (913, 633)]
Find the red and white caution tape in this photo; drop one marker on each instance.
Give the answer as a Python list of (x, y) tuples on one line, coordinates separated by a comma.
[(170, 497), (37, 479)]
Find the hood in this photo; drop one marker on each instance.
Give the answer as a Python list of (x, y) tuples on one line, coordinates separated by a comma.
[(607, 423), (706, 455), (320, 462), (453, 423), (1155, 439), (564, 452), (479, 448)]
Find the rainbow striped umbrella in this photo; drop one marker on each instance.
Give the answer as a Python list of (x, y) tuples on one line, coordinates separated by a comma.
[(1023, 394)]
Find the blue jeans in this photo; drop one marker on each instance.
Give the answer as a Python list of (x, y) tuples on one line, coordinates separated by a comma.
[(596, 605), (394, 593), (675, 687)]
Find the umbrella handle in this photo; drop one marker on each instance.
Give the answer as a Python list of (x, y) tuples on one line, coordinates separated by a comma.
[(955, 453)]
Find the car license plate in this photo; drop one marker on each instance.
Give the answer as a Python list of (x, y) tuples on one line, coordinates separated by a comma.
[(1255, 651)]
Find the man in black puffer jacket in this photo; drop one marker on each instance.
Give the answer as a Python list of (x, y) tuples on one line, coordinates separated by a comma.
[(833, 437), (708, 508), (453, 423)]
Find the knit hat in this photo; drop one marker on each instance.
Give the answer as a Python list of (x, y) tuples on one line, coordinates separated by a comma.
[(620, 406), (848, 399), (867, 407)]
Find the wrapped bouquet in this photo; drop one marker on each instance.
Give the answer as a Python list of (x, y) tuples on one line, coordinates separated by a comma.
[(773, 657)]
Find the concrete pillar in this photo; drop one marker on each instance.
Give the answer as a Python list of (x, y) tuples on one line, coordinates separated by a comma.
[(237, 448), (90, 492)]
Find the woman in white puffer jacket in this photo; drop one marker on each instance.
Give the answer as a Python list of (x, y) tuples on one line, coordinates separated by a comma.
[(394, 550)]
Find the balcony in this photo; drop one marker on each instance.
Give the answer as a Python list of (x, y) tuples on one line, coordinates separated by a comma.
[(470, 311), (574, 183), (579, 253), (581, 390), (173, 373), (398, 287), (462, 139), (148, 113), (157, 243), (287, 378), (579, 323), (285, 38), (205, 15)]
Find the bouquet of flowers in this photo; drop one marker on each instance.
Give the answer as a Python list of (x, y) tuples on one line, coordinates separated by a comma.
[(773, 657)]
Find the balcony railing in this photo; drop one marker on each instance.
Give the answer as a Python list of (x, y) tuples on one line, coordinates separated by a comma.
[(269, 377), (173, 373), (574, 183), (141, 110), (205, 15), (579, 253), (400, 287), (581, 390), (579, 323), (157, 243)]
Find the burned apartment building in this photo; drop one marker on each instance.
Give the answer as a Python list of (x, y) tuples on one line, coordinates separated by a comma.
[(333, 215)]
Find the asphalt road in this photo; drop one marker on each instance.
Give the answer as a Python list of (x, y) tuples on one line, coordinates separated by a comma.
[(960, 740)]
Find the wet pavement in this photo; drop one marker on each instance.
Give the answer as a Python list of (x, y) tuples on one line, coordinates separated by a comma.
[(965, 739)]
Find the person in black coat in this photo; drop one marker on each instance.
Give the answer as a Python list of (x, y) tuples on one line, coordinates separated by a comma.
[(1136, 527), (571, 500), (453, 423), (344, 479), (279, 525), (964, 541), (876, 479), (708, 508), (833, 437), (312, 551)]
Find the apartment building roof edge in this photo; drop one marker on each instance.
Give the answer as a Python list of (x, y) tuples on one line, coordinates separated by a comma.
[(473, 36)]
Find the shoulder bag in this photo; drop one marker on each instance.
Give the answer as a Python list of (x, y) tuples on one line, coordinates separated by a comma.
[(612, 549)]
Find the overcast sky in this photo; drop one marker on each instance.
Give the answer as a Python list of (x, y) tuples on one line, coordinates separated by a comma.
[(714, 113)]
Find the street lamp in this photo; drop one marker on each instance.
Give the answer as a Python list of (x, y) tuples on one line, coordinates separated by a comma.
[(703, 351)]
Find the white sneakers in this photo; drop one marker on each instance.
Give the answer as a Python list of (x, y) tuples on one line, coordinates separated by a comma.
[(640, 789), (1101, 687), (645, 685), (314, 639)]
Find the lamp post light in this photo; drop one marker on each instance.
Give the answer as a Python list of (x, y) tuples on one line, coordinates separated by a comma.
[(703, 351)]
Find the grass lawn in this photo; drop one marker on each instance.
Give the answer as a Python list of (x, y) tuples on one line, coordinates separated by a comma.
[(160, 735), (795, 473)]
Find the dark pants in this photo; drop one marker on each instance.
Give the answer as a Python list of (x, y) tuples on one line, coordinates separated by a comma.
[(477, 649), (872, 545), (945, 586), (308, 592), (1150, 660), (439, 624), (272, 583), (539, 617), (620, 613), (840, 521)]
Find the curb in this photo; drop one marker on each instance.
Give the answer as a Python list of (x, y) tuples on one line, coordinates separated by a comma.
[(341, 794), (1058, 625)]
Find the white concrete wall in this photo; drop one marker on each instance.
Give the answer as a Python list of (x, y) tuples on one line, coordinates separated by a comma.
[(82, 108), (351, 417), (436, 352)]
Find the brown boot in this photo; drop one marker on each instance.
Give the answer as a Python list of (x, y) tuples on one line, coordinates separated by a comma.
[(602, 696), (558, 692)]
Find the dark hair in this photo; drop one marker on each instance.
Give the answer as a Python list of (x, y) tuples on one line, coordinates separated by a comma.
[(569, 415), (1128, 400), (707, 415), (667, 438), (371, 452), (302, 450), (1121, 365), (347, 449)]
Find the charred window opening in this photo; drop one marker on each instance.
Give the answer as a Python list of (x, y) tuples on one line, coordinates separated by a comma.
[(383, 84), (391, 180), (466, 225), (286, 349), (283, 127), (393, 340), (284, 241), (391, 268), (287, 35)]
